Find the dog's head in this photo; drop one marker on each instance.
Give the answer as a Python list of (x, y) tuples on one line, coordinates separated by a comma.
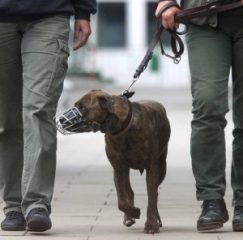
[(95, 111)]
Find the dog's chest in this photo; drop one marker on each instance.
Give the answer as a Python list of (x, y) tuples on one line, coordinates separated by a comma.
[(127, 152)]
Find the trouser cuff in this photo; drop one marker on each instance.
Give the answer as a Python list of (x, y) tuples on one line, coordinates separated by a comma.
[(10, 209), (209, 197)]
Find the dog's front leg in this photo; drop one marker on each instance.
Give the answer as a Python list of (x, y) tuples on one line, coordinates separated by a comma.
[(125, 197)]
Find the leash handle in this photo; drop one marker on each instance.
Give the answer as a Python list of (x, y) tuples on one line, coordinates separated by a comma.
[(177, 47)]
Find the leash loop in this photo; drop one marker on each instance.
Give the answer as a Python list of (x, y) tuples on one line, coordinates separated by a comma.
[(177, 46)]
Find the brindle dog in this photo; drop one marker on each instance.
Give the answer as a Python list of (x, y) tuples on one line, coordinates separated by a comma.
[(136, 136)]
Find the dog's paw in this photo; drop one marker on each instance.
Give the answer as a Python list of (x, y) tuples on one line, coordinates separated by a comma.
[(151, 227), (128, 220), (134, 212), (130, 210)]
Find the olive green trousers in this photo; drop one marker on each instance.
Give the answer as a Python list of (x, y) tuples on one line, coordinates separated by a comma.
[(213, 52), (33, 64)]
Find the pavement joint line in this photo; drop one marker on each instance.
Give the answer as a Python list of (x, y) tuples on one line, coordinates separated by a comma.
[(91, 228), (100, 210), (109, 193)]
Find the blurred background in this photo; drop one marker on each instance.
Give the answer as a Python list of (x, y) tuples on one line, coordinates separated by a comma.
[(121, 32)]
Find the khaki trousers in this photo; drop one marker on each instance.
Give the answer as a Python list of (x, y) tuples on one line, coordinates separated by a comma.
[(33, 64)]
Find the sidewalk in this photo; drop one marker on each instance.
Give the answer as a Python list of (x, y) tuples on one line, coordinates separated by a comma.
[(85, 207), (85, 204)]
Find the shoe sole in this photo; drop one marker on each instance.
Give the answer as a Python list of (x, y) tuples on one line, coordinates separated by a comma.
[(33, 227), (209, 227), (19, 228), (237, 227), (38, 226), (213, 226)]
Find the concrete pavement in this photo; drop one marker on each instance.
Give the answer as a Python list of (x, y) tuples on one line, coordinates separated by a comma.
[(85, 204), (85, 207)]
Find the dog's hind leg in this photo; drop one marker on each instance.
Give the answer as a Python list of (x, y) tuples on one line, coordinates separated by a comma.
[(162, 176), (152, 224), (125, 197), (155, 175)]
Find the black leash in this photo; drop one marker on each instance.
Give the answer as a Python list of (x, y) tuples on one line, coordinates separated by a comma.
[(177, 45), (177, 48)]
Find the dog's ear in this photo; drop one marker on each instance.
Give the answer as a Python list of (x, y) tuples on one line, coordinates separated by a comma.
[(105, 102)]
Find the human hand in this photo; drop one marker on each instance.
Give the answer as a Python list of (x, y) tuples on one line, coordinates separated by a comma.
[(82, 31), (168, 16)]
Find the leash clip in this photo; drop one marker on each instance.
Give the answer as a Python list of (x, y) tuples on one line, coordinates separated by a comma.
[(175, 59), (127, 93)]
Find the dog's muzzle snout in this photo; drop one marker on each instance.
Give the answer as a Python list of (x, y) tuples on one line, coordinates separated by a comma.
[(69, 121)]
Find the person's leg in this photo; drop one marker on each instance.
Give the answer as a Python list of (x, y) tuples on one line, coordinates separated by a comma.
[(44, 55), (210, 61), (237, 163), (11, 136)]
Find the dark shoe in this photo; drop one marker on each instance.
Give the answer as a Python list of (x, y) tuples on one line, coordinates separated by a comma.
[(38, 220), (214, 215), (238, 219), (14, 221)]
